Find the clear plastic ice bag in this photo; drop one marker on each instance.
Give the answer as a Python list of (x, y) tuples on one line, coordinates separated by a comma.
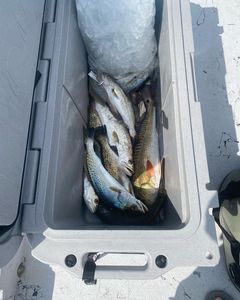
[(120, 39)]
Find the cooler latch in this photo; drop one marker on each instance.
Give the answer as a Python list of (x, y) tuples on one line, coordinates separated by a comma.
[(90, 268)]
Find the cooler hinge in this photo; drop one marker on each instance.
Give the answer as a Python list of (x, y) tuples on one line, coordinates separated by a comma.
[(37, 131), (49, 34), (40, 106), (39, 110), (42, 76), (48, 30)]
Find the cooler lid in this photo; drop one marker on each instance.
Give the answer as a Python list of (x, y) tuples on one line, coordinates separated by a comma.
[(20, 30)]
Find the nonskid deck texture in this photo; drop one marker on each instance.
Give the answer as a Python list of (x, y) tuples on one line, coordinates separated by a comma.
[(216, 30)]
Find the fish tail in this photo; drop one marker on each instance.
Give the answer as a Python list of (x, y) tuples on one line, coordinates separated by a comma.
[(85, 132), (100, 130), (89, 140), (93, 75), (90, 133)]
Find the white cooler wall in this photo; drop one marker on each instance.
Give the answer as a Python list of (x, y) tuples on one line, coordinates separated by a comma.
[(65, 182), (58, 203), (170, 113), (70, 113)]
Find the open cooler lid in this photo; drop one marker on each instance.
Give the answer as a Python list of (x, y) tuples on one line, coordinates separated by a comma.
[(20, 30)]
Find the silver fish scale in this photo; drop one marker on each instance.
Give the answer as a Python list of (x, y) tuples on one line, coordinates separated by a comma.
[(99, 187), (113, 125)]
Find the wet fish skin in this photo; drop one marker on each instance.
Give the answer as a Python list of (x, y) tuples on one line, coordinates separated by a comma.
[(89, 195), (94, 120), (146, 179), (122, 218), (109, 190), (110, 160), (118, 136), (118, 101), (111, 163)]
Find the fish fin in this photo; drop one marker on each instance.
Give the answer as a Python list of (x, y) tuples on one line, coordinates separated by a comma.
[(114, 93), (162, 182), (92, 75), (114, 149), (159, 167), (114, 110), (130, 188), (85, 132), (93, 106), (116, 190), (97, 150), (90, 133), (101, 130), (120, 180), (142, 110), (115, 137), (149, 169), (95, 77)]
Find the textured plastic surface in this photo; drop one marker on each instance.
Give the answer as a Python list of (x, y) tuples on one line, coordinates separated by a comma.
[(58, 210), (55, 218), (20, 30), (112, 31)]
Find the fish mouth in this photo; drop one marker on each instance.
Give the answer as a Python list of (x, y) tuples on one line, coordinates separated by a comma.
[(127, 168), (143, 208)]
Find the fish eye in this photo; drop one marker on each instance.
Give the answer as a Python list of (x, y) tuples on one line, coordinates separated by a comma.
[(147, 100)]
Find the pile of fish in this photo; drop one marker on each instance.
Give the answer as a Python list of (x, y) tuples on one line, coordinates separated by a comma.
[(122, 169)]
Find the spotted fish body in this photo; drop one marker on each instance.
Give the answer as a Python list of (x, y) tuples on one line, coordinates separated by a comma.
[(146, 179), (109, 190), (90, 197), (118, 101), (111, 163), (118, 136), (109, 158)]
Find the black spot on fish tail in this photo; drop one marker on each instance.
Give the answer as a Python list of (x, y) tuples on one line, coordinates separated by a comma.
[(115, 150), (90, 133), (100, 130), (114, 110)]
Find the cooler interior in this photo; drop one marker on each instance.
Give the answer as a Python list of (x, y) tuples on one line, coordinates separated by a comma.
[(68, 100)]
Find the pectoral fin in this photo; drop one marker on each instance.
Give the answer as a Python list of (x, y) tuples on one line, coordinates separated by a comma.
[(93, 75), (130, 188), (115, 93), (149, 169), (116, 190), (159, 167), (114, 149), (114, 110)]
